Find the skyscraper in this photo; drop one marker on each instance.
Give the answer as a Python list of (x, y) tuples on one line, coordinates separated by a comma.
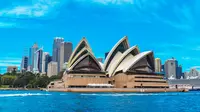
[(52, 69), (65, 53), (171, 68), (158, 65), (46, 59), (106, 54), (38, 61), (56, 50), (193, 74), (31, 58), (100, 60), (163, 68), (179, 72), (24, 64)]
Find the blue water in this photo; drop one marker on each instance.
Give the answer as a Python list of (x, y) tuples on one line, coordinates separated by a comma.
[(37, 101)]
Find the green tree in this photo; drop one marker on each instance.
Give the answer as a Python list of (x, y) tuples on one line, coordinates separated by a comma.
[(8, 79), (24, 79), (42, 81)]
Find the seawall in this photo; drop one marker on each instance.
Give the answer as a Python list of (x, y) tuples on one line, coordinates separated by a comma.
[(121, 90)]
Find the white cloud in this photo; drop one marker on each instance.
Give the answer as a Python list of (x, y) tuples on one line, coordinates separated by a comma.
[(106, 2), (9, 64), (10, 61), (175, 45), (190, 59), (5, 24), (37, 9), (182, 13), (195, 67), (186, 58), (197, 48), (167, 45), (6, 61), (161, 54)]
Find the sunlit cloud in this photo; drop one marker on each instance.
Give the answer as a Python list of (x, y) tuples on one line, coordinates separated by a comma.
[(10, 61), (106, 2), (7, 24), (38, 8)]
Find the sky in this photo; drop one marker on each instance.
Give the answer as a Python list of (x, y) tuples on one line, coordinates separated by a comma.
[(168, 27)]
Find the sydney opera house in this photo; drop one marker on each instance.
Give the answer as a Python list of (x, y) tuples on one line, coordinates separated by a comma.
[(124, 67)]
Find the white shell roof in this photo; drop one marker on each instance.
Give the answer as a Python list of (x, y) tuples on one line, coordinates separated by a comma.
[(78, 54), (80, 43), (80, 59), (120, 59), (130, 60), (124, 39)]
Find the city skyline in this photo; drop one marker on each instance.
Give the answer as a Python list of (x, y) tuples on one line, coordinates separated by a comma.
[(171, 35)]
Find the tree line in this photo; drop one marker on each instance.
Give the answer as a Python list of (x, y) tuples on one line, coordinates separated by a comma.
[(27, 80)]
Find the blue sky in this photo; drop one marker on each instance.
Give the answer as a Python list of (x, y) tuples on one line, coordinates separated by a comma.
[(168, 27)]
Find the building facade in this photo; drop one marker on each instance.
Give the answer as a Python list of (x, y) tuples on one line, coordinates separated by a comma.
[(65, 53), (11, 69), (106, 54), (179, 73), (38, 61), (158, 65), (171, 66), (24, 64), (192, 74), (56, 50), (100, 60), (124, 67), (52, 69), (32, 58), (46, 59)]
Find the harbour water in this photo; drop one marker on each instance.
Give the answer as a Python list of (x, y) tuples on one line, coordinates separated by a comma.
[(40, 101)]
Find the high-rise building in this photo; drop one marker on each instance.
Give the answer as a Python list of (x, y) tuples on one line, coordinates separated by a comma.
[(100, 60), (171, 68), (163, 68), (38, 61), (56, 50), (31, 61), (192, 74), (65, 53), (52, 69), (185, 75), (158, 65), (106, 54), (46, 59), (24, 64), (179, 74), (11, 69)]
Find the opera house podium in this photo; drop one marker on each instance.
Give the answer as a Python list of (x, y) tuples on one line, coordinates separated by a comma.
[(124, 67)]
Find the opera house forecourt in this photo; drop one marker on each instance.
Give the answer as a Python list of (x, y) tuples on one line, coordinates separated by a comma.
[(125, 69)]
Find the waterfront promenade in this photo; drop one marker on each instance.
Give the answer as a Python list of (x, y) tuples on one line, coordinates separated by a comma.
[(121, 90)]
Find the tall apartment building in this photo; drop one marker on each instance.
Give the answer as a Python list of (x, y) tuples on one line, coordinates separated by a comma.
[(179, 73), (56, 50), (158, 65), (32, 58), (38, 61), (171, 68), (24, 64), (52, 69), (65, 53), (46, 59)]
